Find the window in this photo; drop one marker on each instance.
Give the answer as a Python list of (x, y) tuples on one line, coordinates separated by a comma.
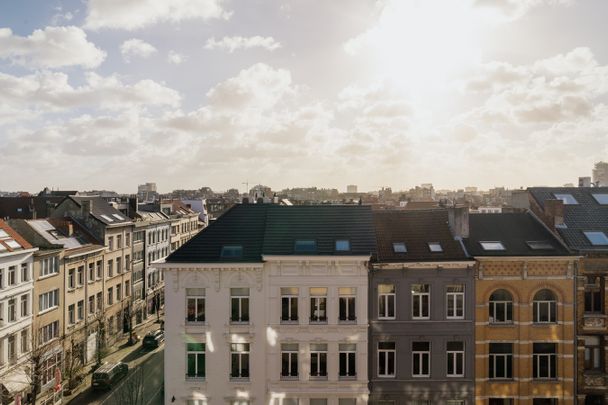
[(25, 272), (91, 304), (455, 402), (127, 262), (239, 354), (25, 305), (501, 360), (289, 361), (232, 252), (544, 401), (342, 245), (118, 292), (421, 357), (127, 289), (239, 298), (487, 245), (500, 401), (72, 278), (455, 301), (110, 243), (289, 304), (420, 301), (24, 341), (110, 268), (12, 310), (501, 307), (305, 246), (545, 307), (195, 360), (386, 359), (593, 294), (127, 239), (435, 247), (118, 265), (568, 199), (71, 314), (593, 353), (12, 348), (110, 296), (386, 301), (49, 266), (48, 300), (318, 304), (318, 360), (601, 199), (544, 360), (540, 245), (118, 241), (347, 303), (195, 304), (12, 275), (1, 278), (80, 276), (347, 401), (99, 301), (455, 354), (597, 238), (347, 360), (399, 247), (48, 332), (91, 273), (99, 269), (318, 401), (80, 310)]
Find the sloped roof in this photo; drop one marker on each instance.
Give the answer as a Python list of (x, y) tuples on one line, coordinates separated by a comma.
[(103, 211), (587, 215), (514, 231), (416, 229), (265, 229), (7, 238), (25, 207)]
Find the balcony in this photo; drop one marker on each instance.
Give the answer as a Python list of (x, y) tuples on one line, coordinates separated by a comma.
[(594, 380), (594, 322)]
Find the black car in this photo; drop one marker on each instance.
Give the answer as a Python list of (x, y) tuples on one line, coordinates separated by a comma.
[(106, 376), (153, 339)]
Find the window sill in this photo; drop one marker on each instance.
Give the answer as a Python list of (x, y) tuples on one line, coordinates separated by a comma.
[(509, 323), (424, 318), (387, 376), (387, 318), (347, 321), (290, 378), (48, 276), (318, 322), (421, 376), (455, 375), (542, 380), (318, 378), (290, 322), (47, 310), (501, 379), (196, 323), (239, 323), (195, 379), (455, 318), (239, 379), (347, 378)]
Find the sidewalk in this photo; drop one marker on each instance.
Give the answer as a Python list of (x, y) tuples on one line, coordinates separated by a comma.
[(121, 351)]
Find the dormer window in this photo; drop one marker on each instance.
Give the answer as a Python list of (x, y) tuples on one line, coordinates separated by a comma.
[(540, 245), (492, 245), (435, 247), (305, 246), (13, 244), (597, 238), (568, 199), (342, 245), (232, 251), (399, 247), (601, 199)]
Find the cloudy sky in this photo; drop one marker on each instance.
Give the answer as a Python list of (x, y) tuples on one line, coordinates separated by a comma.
[(190, 93)]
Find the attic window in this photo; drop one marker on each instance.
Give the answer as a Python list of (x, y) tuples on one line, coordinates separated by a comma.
[(342, 245), (597, 238), (399, 247), (3, 234), (540, 245), (305, 246), (120, 218), (568, 199), (601, 199), (232, 251), (107, 218), (492, 245), (435, 247), (2, 248), (12, 244)]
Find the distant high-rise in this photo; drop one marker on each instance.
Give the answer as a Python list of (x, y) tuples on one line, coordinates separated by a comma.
[(600, 174), (147, 192), (584, 181), (351, 188)]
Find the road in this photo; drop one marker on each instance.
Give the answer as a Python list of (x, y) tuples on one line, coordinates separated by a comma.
[(142, 386)]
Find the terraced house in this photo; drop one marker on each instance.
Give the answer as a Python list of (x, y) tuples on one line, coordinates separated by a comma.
[(268, 305), (579, 216), (524, 333), (421, 309)]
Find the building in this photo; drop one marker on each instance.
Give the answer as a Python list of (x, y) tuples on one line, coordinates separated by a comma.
[(184, 222), (600, 174), (584, 181), (421, 309), (351, 188), (16, 298), (147, 192), (579, 216), (304, 270), (524, 303), (28, 207)]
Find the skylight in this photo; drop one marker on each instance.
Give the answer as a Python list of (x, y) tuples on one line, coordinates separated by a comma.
[(3, 234), (232, 251), (492, 245), (342, 245), (13, 244), (601, 198), (107, 218), (435, 247), (117, 216), (540, 245), (597, 238), (305, 246), (568, 199), (2, 247), (399, 247)]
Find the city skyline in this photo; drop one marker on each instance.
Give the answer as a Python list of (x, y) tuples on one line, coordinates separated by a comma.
[(214, 92)]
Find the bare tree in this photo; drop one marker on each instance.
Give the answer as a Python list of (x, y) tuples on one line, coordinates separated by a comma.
[(131, 392), (74, 363), (38, 366)]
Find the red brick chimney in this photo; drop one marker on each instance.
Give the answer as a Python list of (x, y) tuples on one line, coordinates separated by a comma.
[(554, 211)]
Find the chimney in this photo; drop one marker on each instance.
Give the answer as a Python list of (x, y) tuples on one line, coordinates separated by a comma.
[(132, 209), (86, 207), (458, 218), (69, 226), (554, 211)]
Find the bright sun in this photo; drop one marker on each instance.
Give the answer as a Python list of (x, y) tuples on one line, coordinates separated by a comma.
[(420, 44)]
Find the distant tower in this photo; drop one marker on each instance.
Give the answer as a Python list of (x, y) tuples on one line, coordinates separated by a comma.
[(351, 188), (584, 181), (600, 174)]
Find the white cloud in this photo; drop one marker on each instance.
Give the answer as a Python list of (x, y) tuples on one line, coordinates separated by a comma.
[(136, 48), (232, 44), (135, 14), (175, 58), (513, 9), (52, 47)]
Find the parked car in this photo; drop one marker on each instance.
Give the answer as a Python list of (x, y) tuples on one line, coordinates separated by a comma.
[(106, 376), (153, 339)]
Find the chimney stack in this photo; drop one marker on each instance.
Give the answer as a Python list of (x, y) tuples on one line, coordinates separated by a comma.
[(132, 209), (87, 207), (458, 218), (554, 211)]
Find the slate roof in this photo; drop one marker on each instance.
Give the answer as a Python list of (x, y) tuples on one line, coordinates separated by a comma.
[(416, 229), (5, 245), (266, 229), (101, 210), (514, 230), (28, 207), (587, 215)]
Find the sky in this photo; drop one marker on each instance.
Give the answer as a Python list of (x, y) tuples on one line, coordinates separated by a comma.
[(108, 94)]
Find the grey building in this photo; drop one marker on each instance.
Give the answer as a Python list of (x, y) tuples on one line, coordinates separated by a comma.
[(421, 309)]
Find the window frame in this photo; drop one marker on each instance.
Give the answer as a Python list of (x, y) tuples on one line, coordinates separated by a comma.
[(199, 296), (318, 351), (551, 309), (288, 296), (244, 301), (549, 357), (348, 352), (346, 294), (196, 355), (454, 354), (291, 350), (316, 299), (452, 296), (386, 297), (507, 310), (492, 362), (418, 356), (421, 295), (242, 356)]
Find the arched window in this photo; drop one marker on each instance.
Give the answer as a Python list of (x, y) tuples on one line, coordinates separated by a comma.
[(501, 307), (545, 307)]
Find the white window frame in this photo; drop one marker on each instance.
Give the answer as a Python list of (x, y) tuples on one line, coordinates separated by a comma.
[(454, 354), (536, 359), (318, 350), (290, 349), (386, 353), (347, 293), (240, 353), (316, 298), (508, 357), (289, 294), (452, 296), (196, 354), (386, 297), (349, 352), (418, 356), (196, 295), (241, 298), (420, 296)]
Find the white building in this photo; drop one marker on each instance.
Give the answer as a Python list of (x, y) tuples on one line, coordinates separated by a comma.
[(16, 294), (268, 306)]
